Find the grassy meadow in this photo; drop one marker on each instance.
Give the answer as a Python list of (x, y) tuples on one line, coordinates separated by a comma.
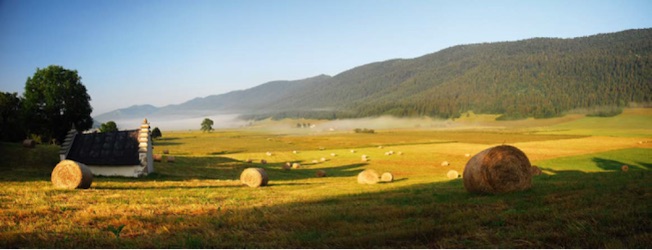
[(582, 199)]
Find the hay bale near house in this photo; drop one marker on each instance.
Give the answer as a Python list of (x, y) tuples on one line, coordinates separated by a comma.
[(624, 168), (157, 157), (368, 176), (387, 177), (29, 143), (71, 175), (452, 174), (321, 173), (254, 177), (498, 169), (171, 159)]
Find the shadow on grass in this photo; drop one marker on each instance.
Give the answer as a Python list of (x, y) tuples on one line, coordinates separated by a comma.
[(570, 209)]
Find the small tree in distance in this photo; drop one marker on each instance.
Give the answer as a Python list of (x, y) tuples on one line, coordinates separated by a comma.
[(156, 133), (207, 125), (109, 126)]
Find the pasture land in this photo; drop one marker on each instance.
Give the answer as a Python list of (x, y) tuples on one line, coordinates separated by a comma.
[(583, 199)]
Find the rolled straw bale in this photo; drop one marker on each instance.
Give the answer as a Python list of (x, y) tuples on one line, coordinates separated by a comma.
[(295, 152), (445, 163), (269, 153), (296, 165), (321, 173), (248, 161), (71, 175), (263, 161), (165, 152), (400, 153), (452, 174), (287, 166), (498, 169), (333, 154), (624, 168), (387, 177), (467, 155), (254, 177), (380, 147), (535, 170), (368, 176), (352, 151), (29, 143), (171, 159), (322, 159), (157, 158)]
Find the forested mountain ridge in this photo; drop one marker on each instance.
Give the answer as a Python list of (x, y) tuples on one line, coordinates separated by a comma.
[(539, 77)]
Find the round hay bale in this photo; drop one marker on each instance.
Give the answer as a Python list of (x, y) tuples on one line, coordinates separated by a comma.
[(467, 155), (322, 159), (368, 176), (287, 166), (624, 168), (315, 161), (380, 147), (400, 153), (535, 170), (445, 164), (498, 169), (295, 152), (71, 175), (387, 177), (254, 177), (29, 143), (296, 165), (268, 154), (165, 152), (321, 173), (333, 154), (352, 151), (171, 159), (452, 174), (157, 158), (248, 161), (263, 161)]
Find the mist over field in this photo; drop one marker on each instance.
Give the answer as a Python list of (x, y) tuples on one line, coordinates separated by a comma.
[(168, 123)]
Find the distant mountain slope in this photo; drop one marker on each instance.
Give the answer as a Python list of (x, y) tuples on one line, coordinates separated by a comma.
[(540, 77), (133, 112)]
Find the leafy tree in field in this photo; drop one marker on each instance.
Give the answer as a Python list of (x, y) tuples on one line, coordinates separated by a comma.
[(109, 126), (207, 125), (55, 100), (11, 124), (156, 133)]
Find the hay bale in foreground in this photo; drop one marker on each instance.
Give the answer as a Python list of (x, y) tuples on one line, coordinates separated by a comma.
[(71, 175), (321, 173), (387, 177), (29, 143), (498, 169), (368, 176), (254, 177), (624, 168), (452, 174)]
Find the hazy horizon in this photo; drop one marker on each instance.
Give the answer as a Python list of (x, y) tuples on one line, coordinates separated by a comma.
[(168, 52)]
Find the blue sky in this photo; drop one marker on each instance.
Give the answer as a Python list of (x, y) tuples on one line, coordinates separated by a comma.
[(164, 52)]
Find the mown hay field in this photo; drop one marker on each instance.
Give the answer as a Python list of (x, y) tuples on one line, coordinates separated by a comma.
[(582, 200)]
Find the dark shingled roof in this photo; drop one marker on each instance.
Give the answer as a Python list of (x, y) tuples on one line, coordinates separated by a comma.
[(110, 149)]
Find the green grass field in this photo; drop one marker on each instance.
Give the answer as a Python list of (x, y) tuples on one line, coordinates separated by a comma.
[(583, 199)]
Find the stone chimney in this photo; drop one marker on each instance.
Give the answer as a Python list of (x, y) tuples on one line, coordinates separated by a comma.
[(145, 148)]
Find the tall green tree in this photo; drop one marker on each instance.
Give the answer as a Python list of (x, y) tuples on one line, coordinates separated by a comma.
[(11, 124), (109, 126), (207, 125), (55, 100)]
